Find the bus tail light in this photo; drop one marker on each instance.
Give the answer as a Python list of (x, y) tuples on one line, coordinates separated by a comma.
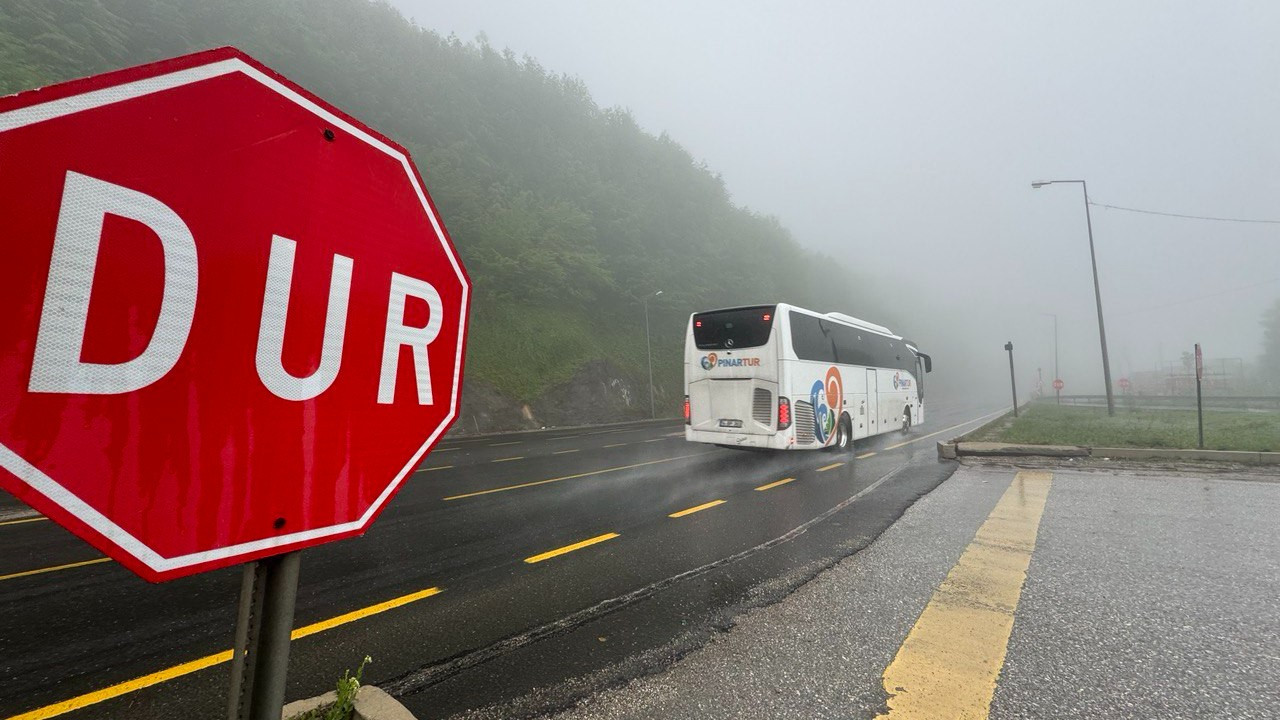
[(687, 419), (784, 413)]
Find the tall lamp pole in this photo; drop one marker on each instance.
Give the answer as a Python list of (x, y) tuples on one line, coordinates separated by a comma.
[(1097, 292), (648, 344)]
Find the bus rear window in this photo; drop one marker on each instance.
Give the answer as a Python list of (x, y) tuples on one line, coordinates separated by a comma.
[(733, 329)]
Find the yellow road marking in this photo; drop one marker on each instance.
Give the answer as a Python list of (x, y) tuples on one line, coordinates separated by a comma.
[(445, 449), (513, 442), (437, 467), (864, 456), (656, 440), (55, 568), (774, 484), (573, 477), (362, 613), (518, 457), (953, 427), (616, 445), (696, 508), (570, 548), (124, 688), (949, 663), (832, 466), (155, 678), (24, 520), (563, 452)]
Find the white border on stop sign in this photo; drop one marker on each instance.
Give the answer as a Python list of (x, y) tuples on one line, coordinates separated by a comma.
[(50, 488)]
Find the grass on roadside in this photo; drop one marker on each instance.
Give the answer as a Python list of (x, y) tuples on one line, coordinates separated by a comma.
[(1047, 424)]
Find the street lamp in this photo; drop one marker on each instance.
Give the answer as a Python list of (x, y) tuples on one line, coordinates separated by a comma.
[(1097, 293), (653, 408)]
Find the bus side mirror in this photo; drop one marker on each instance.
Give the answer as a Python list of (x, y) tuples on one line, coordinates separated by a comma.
[(928, 363)]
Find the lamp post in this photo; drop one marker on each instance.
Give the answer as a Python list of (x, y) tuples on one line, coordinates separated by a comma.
[(1056, 376), (648, 344), (1097, 293)]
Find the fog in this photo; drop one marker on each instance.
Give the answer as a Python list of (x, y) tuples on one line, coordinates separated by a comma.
[(902, 138)]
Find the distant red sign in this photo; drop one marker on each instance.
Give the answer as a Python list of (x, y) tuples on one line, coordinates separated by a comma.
[(1057, 384), (235, 323), (1123, 383)]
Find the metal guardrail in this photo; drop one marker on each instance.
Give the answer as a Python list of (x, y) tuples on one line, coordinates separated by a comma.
[(1187, 402)]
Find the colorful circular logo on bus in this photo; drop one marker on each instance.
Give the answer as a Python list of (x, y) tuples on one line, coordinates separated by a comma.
[(827, 398), (900, 382), (709, 361)]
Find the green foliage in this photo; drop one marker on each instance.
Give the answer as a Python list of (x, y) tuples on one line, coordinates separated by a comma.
[(1048, 424), (564, 212), (346, 689)]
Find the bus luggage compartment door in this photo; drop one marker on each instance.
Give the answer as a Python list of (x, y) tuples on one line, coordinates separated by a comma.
[(738, 405)]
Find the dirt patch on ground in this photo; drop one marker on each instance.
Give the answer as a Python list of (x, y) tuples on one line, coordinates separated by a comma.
[(1196, 468)]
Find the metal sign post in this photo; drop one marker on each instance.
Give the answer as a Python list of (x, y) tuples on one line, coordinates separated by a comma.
[(1199, 399), (1012, 382), (260, 659)]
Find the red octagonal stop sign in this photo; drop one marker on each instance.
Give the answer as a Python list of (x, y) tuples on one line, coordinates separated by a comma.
[(233, 321)]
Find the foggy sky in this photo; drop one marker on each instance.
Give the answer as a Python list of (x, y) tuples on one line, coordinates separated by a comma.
[(903, 137)]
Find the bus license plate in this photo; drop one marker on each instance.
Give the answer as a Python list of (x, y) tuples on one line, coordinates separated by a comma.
[(730, 423)]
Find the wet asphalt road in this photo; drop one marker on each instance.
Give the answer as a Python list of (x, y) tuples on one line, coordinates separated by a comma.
[(503, 634), (1149, 594)]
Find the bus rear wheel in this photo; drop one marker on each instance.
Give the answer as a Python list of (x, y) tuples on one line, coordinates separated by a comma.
[(844, 436)]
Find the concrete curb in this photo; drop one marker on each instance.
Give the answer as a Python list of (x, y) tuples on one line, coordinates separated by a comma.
[(954, 450), (371, 704)]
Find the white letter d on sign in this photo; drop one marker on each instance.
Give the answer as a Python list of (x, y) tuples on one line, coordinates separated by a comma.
[(57, 367)]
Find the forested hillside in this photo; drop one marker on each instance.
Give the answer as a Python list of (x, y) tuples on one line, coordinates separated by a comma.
[(565, 213)]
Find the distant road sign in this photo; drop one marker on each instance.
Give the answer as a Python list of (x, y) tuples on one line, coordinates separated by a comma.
[(236, 322), (1058, 385), (1123, 383)]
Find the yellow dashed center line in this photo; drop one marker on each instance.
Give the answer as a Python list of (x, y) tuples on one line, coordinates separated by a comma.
[(949, 663), (615, 445), (437, 467), (55, 568), (518, 457), (24, 520), (155, 678), (563, 452), (570, 548), (696, 508), (439, 450), (832, 466), (775, 483), (502, 444), (572, 477), (863, 456), (655, 440)]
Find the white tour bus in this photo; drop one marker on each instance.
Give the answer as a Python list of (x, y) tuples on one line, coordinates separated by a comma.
[(786, 378)]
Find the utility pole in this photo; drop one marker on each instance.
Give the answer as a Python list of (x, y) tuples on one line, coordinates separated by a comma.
[(1097, 292), (648, 344)]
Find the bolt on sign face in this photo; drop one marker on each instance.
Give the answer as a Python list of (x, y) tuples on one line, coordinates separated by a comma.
[(234, 320)]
